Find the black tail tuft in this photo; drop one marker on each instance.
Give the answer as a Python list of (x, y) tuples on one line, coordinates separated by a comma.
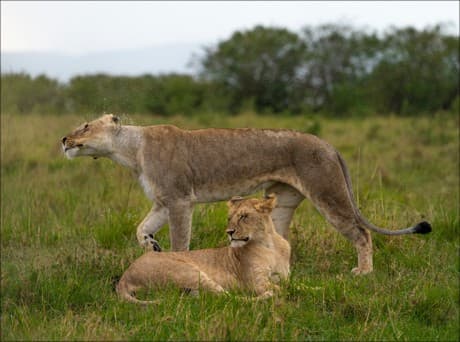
[(422, 228)]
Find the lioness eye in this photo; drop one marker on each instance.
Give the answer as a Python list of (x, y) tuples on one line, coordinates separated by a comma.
[(243, 217), (86, 126)]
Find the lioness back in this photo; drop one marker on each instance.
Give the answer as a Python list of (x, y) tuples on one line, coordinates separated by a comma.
[(263, 156)]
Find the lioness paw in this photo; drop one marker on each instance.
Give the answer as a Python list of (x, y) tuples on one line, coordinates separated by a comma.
[(359, 271), (150, 241)]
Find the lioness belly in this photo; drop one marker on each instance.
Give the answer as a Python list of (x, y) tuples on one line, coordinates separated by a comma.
[(213, 193)]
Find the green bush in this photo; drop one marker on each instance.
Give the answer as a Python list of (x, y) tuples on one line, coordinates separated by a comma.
[(332, 69)]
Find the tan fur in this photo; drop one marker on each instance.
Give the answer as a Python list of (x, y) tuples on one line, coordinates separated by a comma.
[(178, 168), (254, 265)]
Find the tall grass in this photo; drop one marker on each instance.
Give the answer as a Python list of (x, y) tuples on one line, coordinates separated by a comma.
[(68, 227)]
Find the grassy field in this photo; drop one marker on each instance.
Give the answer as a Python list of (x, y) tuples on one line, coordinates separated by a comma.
[(68, 227)]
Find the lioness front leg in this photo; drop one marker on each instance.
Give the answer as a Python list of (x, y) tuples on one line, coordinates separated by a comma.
[(156, 218), (263, 287), (180, 225)]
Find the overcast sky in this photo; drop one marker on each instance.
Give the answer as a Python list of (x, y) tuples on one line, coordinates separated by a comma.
[(83, 27)]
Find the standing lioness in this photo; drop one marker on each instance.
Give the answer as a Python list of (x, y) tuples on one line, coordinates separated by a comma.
[(257, 258), (178, 168)]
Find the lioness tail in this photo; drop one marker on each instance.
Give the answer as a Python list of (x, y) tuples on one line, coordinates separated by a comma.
[(420, 228)]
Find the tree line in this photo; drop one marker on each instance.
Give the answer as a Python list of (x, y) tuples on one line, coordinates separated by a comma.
[(330, 69)]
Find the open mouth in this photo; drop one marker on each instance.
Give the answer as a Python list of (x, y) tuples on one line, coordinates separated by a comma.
[(246, 239), (71, 151), (66, 148), (69, 148)]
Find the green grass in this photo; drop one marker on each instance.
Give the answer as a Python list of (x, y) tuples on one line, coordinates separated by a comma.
[(68, 227)]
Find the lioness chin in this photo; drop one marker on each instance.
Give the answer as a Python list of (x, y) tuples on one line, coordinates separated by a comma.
[(179, 168), (256, 258)]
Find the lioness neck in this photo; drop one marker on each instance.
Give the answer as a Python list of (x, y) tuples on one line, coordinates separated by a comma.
[(125, 146)]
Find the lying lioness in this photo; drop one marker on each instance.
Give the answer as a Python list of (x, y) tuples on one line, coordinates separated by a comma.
[(256, 258)]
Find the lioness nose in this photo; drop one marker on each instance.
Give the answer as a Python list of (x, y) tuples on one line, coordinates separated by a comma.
[(64, 139), (230, 231)]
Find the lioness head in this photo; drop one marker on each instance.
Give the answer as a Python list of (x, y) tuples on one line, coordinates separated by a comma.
[(91, 138), (249, 220)]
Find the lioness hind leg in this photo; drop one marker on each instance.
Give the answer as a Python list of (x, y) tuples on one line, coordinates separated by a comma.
[(327, 188), (287, 199), (341, 215), (190, 277), (364, 248), (208, 284), (359, 237)]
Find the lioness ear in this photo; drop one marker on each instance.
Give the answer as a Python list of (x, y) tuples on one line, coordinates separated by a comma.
[(234, 200), (115, 119), (266, 205)]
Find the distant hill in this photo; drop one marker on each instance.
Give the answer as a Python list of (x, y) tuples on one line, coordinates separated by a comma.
[(152, 60)]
